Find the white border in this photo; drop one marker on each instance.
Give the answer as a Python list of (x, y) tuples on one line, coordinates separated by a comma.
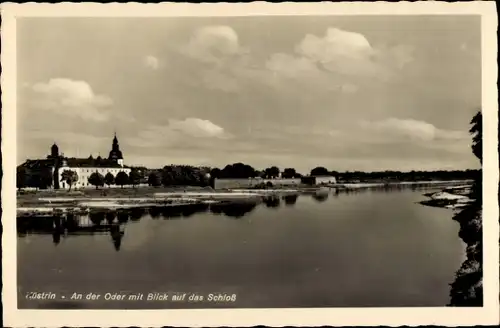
[(487, 315)]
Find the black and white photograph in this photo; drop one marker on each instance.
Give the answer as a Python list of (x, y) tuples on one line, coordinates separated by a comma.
[(286, 161)]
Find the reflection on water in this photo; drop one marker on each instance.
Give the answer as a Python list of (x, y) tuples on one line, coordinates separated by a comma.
[(272, 201), (320, 197), (290, 200), (233, 210), (113, 222)]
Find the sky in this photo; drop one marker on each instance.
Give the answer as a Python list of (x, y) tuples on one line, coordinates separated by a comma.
[(348, 93)]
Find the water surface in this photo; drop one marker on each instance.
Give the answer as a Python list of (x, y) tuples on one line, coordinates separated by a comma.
[(364, 249)]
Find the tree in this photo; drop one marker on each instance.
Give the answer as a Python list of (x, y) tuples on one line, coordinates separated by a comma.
[(289, 173), (238, 171), (70, 177), (272, 172), (96, 179), (154, 179), (134, 177), (319, 171), (109, 179), (140, 174), (167, 177), (215, 173), (477, 135), (121, 179), (467, 289), (21, 177)]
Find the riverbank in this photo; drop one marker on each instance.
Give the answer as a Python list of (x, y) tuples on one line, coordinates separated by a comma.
[(51, 202), (454, 197), (467, 288)]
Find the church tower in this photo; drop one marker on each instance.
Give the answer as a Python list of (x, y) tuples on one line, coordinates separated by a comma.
[(115, 154), (54, 151)]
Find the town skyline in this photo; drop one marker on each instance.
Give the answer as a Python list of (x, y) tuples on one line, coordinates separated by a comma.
[(346, 93)]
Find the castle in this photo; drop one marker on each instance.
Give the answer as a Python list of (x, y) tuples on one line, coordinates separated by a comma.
[(47, 173)]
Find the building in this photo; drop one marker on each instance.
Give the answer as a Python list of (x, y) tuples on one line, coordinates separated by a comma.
[(325, 179), (47, 173), (319, 180)]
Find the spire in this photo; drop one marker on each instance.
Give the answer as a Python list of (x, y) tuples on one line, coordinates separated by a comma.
[(115, 146)]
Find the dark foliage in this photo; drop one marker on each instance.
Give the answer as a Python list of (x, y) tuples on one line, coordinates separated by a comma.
[(272, 172), (238, 171), (467, 289), (134, 177), (109, 179), (96, 179), (289, 173), (183, 175), (154, 179), (121, 179), (317, 171)]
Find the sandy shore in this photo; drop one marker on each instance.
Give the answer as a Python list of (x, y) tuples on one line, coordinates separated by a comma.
[(450, 197)]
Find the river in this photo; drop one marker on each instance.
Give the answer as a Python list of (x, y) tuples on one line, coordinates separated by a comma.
[(369, 248)]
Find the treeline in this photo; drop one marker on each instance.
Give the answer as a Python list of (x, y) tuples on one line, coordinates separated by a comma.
[(244, 171), (178, 175)]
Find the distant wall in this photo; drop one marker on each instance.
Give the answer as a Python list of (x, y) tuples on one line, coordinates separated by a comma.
[(246, 183)]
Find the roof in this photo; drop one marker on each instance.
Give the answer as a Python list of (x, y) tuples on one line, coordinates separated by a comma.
[(38, 163), (91, 162), (71, 162)]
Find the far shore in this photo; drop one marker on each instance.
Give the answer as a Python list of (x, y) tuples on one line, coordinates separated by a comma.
[(50, 202)]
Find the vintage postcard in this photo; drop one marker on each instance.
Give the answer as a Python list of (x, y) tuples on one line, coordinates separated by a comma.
[(291, 164)]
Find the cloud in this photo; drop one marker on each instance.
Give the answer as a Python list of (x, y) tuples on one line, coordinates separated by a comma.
[(336, 43), (318, 64), (338, 61), (151, 62), (196, 127), (213, 44), (351, 54), (411, 129), (178, 132), (290, 66), (71, 98)]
